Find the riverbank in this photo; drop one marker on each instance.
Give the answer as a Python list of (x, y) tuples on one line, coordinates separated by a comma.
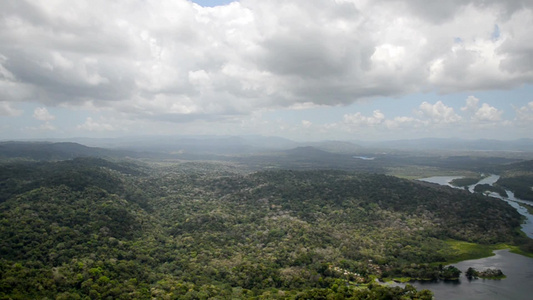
[(469, 251), (465, 251)]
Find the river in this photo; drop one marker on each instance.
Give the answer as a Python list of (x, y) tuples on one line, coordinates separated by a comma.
[(517, 268), (527, 226)]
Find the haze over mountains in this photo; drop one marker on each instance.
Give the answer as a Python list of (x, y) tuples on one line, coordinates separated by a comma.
[(237, 145), (255, 153)]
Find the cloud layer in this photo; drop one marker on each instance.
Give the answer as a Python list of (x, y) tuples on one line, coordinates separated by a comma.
[(175, 61)]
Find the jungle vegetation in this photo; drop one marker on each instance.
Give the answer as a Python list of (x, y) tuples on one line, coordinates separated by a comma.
[(518, 177), (91, 228)]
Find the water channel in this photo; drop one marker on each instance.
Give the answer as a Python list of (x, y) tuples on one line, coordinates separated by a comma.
[(517, 268), (527, 226)]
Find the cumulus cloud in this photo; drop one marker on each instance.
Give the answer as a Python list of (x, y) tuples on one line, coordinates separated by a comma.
[(471, 104), (180, 61), (488, 113), (438, 112), (485, 113), (42, 114), (430, 119), (358, 119)]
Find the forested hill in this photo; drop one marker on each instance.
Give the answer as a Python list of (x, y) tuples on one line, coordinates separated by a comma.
[(99, 229), (76, 174), (45, 151)]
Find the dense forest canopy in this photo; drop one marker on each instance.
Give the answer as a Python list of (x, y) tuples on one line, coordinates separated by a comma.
[(94, 228)]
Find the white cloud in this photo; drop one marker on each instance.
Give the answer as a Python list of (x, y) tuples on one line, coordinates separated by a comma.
[(92, 125), (525, 113), (438, 112), (487, 113), (252, 54), (304, 106), (427, 119), (358, 119), (306, 123), (171, 61), (8, 111), (402, 122), (471, 104), (42, 114)]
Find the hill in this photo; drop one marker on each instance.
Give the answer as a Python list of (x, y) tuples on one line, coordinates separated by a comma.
[(55, 151)]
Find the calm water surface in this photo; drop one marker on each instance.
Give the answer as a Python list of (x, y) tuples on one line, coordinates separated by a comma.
[(442, 180)]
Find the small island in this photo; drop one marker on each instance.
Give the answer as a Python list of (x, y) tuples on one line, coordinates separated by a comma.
[(487, 188), (472, 273)]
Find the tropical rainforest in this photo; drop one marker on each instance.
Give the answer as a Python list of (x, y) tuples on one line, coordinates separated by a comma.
[(93, 228)]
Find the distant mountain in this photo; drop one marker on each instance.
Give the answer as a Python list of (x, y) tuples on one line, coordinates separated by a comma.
[(269, 142), (247, 144), (230, 147), (454, 144), (56, 151), (337, 146), (194, 144), (308, 152)]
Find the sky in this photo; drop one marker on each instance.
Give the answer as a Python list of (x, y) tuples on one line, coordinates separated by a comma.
[(304, 70)]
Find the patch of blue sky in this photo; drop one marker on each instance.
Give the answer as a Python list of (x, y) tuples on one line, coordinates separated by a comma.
[(495, 33), (212, 3), (26, 125)]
